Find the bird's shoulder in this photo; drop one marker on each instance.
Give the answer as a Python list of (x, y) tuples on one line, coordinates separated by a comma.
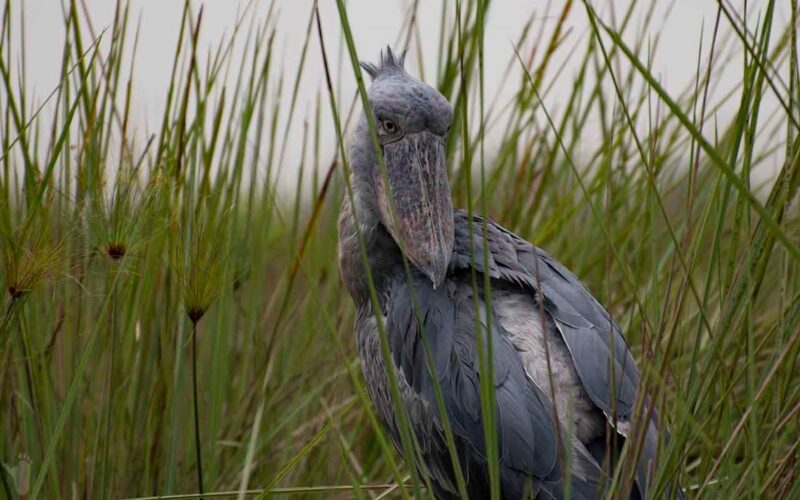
[(595, 341)]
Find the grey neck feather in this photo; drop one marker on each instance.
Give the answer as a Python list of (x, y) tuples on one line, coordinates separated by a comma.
[(383, 254)]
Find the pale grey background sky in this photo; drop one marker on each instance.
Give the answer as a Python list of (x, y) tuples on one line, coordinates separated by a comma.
[(375, 23)]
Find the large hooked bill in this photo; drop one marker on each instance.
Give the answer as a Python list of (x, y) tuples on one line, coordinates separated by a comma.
[(422, 222)]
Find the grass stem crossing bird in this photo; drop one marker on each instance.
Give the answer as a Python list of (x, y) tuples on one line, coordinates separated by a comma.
[(565, 382)]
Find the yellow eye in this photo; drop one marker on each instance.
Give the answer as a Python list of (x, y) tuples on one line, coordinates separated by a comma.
[(389, 126)]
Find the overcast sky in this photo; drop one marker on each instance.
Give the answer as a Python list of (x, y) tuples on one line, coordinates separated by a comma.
[(375, 23)]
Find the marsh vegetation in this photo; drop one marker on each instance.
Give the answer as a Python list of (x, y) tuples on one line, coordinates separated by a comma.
[(168, 303)]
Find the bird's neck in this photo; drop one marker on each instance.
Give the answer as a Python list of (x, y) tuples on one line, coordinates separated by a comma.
[(359, 225)]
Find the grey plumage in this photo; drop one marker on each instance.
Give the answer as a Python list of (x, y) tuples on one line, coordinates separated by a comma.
[(534, 299)]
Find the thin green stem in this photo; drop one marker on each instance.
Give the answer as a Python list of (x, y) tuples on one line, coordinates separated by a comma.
[(197, 451)]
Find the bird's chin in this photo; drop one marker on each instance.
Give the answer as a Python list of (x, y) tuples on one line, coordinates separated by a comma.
[(420, 219), (436, 274)]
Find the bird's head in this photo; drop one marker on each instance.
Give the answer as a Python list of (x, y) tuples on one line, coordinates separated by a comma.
[(412, 200)]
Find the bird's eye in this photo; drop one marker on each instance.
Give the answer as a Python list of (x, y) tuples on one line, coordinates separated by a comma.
[(389, 126)]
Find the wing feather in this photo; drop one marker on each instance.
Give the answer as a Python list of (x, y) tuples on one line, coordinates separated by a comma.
[(446, 323), (594, 340), (602, 357)]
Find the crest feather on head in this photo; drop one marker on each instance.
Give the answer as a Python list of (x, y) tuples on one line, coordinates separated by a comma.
[(389, 64)]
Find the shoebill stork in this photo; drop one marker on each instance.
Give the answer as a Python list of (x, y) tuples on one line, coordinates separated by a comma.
[(586, 413)]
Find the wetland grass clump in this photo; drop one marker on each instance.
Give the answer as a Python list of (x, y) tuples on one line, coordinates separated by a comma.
[(126, 219), (202, 274), (202, 268), (27, 260), (128, 252)]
